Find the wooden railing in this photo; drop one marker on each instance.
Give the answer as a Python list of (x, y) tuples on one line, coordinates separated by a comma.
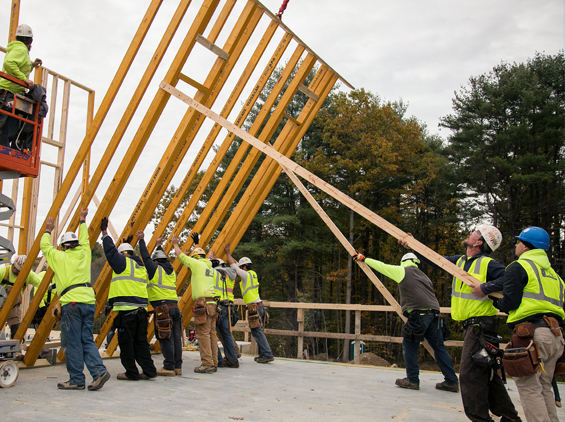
[(243, 326)]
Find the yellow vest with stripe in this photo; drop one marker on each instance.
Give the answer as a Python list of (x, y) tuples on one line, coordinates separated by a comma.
[(543, 293), (162, 286), (128, 290), (464, 304), (250, 287), (224, 290)]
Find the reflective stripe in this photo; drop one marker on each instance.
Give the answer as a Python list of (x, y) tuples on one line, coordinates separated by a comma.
[(131, 276), (249, 289), (541, 295), (137, 305), (160, 281), (468, 296)]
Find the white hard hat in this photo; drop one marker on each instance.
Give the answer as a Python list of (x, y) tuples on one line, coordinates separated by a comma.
[(244, 261), (125, 247), (159, 254), (24, 31), (408, 256), (491, 234), (17, 261), (68, 237)]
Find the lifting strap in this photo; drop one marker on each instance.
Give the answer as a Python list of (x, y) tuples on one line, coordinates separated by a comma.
[(282, 9)]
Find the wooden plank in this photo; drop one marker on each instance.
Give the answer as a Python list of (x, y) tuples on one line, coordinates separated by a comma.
[(212, 47), (308, 92), (300, 320), (52, 142), (193, 83), (330, 190), (357, 348)]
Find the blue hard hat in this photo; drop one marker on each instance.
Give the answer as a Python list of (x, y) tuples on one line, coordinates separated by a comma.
[(536, 236)]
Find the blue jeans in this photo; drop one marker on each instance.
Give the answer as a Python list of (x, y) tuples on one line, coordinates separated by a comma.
[(224, 328), (435, 338), (77, 322), (259, 336)]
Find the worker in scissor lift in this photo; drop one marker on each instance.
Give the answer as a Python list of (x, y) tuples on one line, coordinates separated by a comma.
[(17, 63)]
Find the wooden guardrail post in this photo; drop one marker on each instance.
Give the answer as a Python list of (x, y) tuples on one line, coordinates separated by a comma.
[(357, 351), (300, 319)]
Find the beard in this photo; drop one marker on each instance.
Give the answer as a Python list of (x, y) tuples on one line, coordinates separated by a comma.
[(466, 243)]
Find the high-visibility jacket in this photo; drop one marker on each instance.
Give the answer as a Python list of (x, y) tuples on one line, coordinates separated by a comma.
[(250, 287), (162, 286), (223, 285), (464, 304), (16, 63), (545, 290), (202, 277), (8, 278), (71, 267), (48, 294), (128, 290)]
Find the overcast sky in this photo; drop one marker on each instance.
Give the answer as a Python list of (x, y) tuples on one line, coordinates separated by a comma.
[(420, 51)]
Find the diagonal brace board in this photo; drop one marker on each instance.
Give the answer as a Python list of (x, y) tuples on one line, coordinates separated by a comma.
[(330, 190), (350, 249)]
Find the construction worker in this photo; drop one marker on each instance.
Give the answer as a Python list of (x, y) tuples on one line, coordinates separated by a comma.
[(481, 386), (533, 296), (8, 275), (162, 294), (18, 64), (205, 308), (128, 297), (224, 279), (45, 301), (421, 307), (249, 285), (77, 299)]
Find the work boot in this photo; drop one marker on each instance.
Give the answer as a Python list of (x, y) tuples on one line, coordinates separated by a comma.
[(230, 364), (165, 372), (205, 369), (144, 377), (178, 372), (222, 364), (99, 382), (446, 387), (124, 377), (256, 358), (404, 383), (68, 386), (264, 360)]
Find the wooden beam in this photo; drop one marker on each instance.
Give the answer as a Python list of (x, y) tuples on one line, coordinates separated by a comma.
[(212, 47)]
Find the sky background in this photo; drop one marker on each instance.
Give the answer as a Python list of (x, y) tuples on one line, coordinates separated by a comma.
[(420, 51)]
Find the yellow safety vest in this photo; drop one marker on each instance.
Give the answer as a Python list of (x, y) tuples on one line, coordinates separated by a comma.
[(543, 293), (250, 287), (162, 286), (224, 285), (464, 304), (128, 290)]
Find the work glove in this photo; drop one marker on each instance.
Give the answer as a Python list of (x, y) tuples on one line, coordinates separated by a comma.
[(195, 237), (104, 224), (358, 257), (128, 239)]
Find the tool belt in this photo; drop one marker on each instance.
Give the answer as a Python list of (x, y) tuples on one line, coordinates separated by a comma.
[(74, 286), (253, 316), (163, 320), (413, 330), (521, 356), (200, 311)]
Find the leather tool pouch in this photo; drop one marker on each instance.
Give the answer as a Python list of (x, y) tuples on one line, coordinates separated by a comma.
[(522, 363), (233, 316), (163, 322), (553, 326), (56, 311), (265, 317), (253, 315), (199, 311), (522, 335), (413, 329)]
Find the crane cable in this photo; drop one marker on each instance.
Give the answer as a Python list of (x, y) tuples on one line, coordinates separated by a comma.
[(282, 9)]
